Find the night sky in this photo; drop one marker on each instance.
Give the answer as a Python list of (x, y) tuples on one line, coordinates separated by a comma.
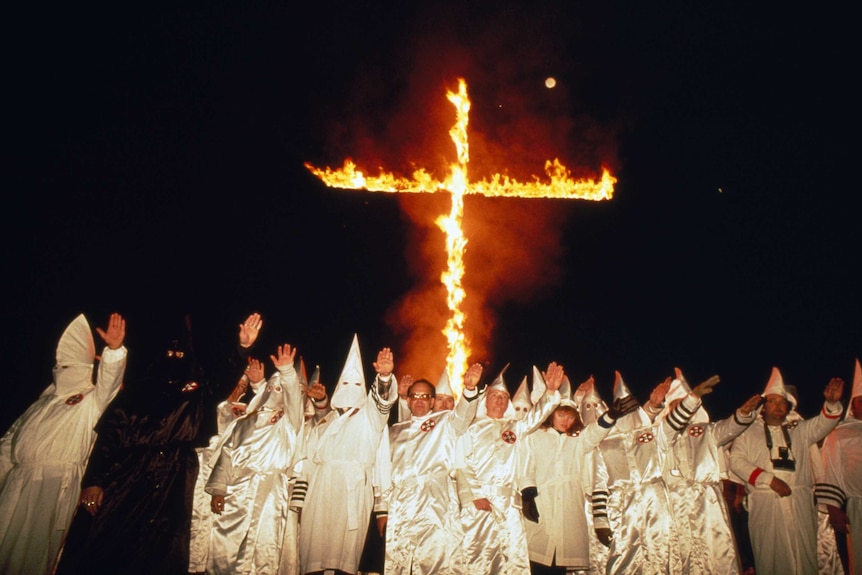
[(155, 167)]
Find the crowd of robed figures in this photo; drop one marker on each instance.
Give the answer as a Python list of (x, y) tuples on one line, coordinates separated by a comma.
[(107, 474)]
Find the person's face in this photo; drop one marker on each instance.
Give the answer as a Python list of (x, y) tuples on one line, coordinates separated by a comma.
[(775, 409), (520, 410), (496, 403), (856, 404), (420, 399), (563, 419), (444, 402)]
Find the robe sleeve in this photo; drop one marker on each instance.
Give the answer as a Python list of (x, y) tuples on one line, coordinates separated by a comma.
[(600, 491), (729, 428), (832, 491), (464, 412), (109, 375)]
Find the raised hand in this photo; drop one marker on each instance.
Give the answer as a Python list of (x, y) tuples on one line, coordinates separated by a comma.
[(250, 329), (284, 355), (554, 376), (751, 404), (705, 387), (114, 335), (254, 371), (473, 375), (622, 406), (404, 384), (317, 392), (656, 397), (385, 362), (834, 389)]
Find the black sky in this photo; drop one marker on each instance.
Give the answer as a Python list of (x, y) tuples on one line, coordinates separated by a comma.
[(155, 167)]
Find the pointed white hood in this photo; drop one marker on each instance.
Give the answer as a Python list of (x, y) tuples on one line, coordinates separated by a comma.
[(443, 386), (521, 400), (775, 385), (589, 402), (679, 389), (499, 384), (350, 388), (566, 393), (76, 354), (539, 385), (634, 420)]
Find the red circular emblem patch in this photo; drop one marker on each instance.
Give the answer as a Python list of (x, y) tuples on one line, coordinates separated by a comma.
[(75, 399), (238, 411), (645, 437), (276, 416), (695, 430), (428, 425), (509, 436)]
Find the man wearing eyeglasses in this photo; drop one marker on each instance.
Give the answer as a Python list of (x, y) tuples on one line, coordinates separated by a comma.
[(421, 530)]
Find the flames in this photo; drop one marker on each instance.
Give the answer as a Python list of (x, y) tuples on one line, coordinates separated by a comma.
[(559, 184)]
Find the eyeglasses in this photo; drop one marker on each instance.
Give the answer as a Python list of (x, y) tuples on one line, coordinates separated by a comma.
[(420, 395)]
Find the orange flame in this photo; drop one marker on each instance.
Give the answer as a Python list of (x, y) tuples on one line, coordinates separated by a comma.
[(560, 185)]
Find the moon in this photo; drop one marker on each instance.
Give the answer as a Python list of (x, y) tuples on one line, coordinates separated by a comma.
[(550, 82)]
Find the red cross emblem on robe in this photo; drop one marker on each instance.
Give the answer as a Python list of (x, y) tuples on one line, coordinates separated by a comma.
[(695, 430), (238, 411), (75, 399), (428, 425), (645, 437), (509, 436)]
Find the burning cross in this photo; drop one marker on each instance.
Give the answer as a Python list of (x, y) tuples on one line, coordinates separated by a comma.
[(561, 186)]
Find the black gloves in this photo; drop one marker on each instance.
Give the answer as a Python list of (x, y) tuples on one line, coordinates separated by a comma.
[(622, 406), (528, 504)]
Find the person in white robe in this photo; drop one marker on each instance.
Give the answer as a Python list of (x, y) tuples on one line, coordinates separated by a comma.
[(316, 404), (829, 559), (250, 471), (774, 460), (841, 488), (487, 479), (631, 509), (557, 529), (202, 515), (421, 533), (590, 407), (702, 538), (44, 452), (341, 451)]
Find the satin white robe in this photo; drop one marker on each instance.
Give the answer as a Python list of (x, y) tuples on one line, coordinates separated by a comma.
[(252, 470), (422, 533), (202, 515), (495, 541), (783, 529), (554, 465), (842, 481), (42, 459), (629, 493), (702, 539), (341, 452)]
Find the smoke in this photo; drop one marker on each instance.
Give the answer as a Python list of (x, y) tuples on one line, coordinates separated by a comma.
[(515, 246)]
